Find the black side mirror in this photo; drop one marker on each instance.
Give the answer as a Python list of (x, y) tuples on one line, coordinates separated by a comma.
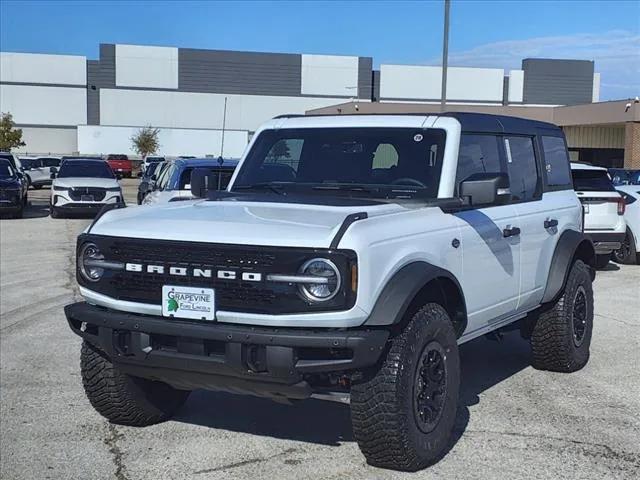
[(486, 189), (202, 179), (53, 172), (118, 176)]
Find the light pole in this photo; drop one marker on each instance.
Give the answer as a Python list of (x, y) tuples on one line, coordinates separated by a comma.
[(445, 55)]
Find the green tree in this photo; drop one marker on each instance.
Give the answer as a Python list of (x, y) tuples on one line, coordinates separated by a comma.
[(145, 141), (10, 137)]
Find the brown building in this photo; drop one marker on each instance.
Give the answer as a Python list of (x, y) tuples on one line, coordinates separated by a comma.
[(604, 133)]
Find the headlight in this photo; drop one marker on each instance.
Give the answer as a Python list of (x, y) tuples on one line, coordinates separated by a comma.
[(88, 259), (325, 269), (60, 189)]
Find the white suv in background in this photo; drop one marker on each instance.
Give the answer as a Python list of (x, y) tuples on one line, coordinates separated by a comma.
[(83, 186), (603, 209), (37, 170), (629, 252)]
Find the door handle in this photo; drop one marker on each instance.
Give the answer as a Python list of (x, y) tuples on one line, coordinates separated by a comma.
[(510, 232), (550, 223)]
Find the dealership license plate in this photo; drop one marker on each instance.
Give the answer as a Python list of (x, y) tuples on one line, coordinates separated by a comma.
[(86, 198), (188, 302)]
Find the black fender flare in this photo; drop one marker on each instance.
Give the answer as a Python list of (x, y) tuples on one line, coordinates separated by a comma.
[(570, 243), (402, 288)]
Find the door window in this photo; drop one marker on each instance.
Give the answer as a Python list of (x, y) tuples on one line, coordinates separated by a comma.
[(478, 154), (521, 166)]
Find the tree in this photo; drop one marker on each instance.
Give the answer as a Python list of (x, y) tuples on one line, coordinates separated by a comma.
[(145, 141), (10, 137)]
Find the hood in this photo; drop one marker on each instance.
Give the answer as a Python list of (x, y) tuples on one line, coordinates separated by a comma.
[(74, 182), (236, 222), (9, 183)]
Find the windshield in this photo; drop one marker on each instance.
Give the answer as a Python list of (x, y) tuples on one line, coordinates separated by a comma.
[(370, 162), (591, 181), (75, 168), (6, 171)]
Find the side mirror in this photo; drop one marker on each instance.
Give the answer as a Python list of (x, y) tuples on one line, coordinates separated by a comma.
[(139, 174), (486, 189), (53, 172), (118, 176), (201, 180)]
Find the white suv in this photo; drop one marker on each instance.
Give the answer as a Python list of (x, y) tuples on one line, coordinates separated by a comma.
[(349, 258), (603, 209), (83, 186)]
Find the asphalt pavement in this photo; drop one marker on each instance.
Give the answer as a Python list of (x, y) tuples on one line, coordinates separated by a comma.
[(513, 421)]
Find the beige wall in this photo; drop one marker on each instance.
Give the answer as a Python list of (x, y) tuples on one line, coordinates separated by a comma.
[(632, 145), (595, 136)]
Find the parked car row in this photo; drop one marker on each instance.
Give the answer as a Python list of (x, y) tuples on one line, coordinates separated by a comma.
[(622, 176), (13, 190)]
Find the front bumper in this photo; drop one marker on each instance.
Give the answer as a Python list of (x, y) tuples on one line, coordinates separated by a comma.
[(272, 362), (606, 242)]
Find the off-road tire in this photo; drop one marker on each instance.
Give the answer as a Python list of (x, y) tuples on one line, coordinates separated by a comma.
[(54, 213), (627, 254), (553, 340), (602, 261), (122, 398), (383, 414)]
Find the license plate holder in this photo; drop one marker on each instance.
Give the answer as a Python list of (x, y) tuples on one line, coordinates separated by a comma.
[(86, 198), (194, 303)]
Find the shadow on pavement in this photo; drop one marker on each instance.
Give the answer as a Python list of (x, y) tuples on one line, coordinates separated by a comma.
[(484, 364)]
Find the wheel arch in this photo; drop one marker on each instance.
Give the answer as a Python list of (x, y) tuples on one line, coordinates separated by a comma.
[(571, 246), (411, 287)]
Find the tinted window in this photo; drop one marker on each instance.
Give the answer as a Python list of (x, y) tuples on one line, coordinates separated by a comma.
[(6, 171), (591, 181), (389, 162), (477, 154), (521, 166), (165, 176), (77, 168), (50, 162), (556, 161)]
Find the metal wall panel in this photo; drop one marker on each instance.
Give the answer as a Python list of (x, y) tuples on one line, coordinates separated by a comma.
[(365, 78), (557, 82), (595, 137), (100, 74), (249, 73)]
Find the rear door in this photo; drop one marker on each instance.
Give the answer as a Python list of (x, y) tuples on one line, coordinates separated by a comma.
[(598, 197)]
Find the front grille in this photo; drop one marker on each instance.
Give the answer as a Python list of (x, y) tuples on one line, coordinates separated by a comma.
[(78, 192), (231, 294)]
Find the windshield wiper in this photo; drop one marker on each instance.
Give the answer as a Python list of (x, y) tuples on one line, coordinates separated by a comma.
[(274, 187), (347, 188)]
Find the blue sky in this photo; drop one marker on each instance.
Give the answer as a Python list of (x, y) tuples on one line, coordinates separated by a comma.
[(489, 34)]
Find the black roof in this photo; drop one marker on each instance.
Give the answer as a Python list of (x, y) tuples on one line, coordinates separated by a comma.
[(489, 123), (472, 122)]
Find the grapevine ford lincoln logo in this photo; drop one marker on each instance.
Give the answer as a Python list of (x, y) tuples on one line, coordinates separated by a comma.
[(193, 272)]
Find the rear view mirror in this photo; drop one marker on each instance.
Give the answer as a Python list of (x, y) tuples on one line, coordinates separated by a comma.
[(202, 180), (486, 188)]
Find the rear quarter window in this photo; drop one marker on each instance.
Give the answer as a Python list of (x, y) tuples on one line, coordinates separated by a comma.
[(556, 161)]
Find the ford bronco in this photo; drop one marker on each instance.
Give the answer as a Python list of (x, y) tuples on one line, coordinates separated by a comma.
[(350, 255)]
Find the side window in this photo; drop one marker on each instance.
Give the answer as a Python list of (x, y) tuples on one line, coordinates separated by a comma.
[(385, 156), (477, 154), (164, 178), (50, 162), (185, 179), (556, 161), (521, 166)]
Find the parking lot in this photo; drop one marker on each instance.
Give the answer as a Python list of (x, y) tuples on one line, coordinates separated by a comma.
[(513, 421)]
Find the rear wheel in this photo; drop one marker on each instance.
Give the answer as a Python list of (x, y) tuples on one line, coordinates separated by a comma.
[(627, 253), (403, 415), (122, 398), (562, 334), (54, 212)]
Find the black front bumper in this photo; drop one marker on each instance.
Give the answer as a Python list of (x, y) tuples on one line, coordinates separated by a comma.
[(262, 361)]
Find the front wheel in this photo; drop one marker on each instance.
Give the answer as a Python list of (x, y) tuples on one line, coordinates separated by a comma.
[(562, 334), (403, 415), (627, 253), (122, 398)]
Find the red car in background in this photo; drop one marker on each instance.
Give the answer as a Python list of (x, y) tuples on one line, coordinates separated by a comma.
[(120, 164)]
